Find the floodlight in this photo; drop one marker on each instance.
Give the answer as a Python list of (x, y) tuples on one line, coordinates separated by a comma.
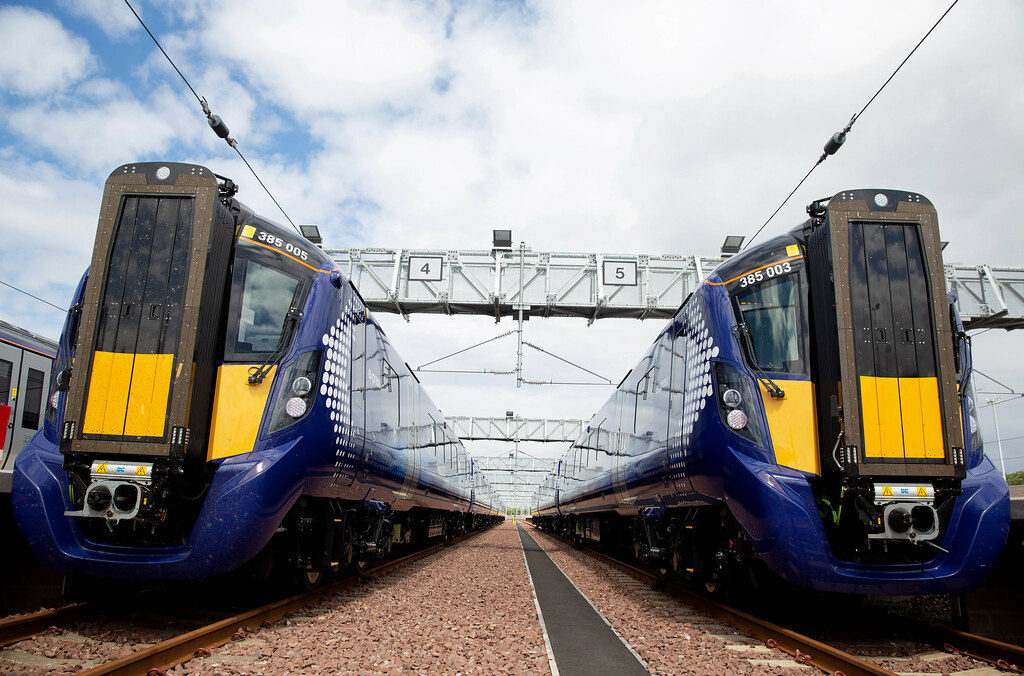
[(312, 233), (732, 245), (502, 239)]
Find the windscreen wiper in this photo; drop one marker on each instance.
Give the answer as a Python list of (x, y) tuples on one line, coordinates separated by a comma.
[(291, 320), (774, 391)]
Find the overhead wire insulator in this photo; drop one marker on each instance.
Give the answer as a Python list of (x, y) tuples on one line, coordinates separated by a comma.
[(218, 126), (834, 143)]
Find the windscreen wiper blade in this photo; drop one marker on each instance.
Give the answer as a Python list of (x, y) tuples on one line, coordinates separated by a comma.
[(774, 391), (291, 320)]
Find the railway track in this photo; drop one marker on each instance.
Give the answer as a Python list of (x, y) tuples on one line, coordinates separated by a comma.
[(157, 658), (807, 650)]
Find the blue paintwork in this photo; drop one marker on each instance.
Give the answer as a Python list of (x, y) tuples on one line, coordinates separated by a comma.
[(774, 505), (252, 493)]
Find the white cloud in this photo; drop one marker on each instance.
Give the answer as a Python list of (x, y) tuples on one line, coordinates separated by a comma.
[(115, 20), (334, 56), (102, 133), (39, 56)]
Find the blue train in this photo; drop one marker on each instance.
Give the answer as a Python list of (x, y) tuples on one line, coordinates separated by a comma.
[(810, 405), (222, 396)]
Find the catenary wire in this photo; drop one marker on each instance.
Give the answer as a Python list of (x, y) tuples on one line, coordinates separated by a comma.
[(41, 300), (206, 110), (841, 136)]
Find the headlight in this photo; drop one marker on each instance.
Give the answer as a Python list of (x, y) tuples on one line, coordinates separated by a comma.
[(737, 419), (737, 401), (295, 407), (295, 394), (301, 386), (732, 398)]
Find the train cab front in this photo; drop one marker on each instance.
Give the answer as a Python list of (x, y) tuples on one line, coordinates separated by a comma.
[(152, 469), (880, 484)]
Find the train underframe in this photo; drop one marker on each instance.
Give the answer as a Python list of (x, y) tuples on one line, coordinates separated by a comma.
[(324, 536), (702, 546), (319, 537)]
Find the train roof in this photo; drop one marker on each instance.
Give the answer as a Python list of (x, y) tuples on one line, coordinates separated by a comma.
[(23, 338)]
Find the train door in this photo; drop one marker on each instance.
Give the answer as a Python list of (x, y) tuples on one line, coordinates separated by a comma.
[(27, 416), (894, 344), (10, 369), (139, 319)]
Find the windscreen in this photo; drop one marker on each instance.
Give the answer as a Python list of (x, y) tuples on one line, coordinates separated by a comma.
[(768, 294), (771, 312), (262, 291)]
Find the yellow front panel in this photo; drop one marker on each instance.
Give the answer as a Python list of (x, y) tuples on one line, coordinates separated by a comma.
[(108, 393), (147, 402), (883, 426), (922, 418), (237, 410), (913, 424), (793, 425)]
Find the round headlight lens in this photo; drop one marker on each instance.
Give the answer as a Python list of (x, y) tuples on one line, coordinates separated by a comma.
[(737, 419), (732, 398), (301, 386), (295, 407)]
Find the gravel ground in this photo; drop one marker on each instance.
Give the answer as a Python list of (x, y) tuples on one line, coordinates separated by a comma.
[(468, 610), (90, 644), (671, 637), (675, 639)]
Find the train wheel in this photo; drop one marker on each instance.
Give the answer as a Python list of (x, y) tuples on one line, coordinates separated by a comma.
[(310, 579), (348, 548)]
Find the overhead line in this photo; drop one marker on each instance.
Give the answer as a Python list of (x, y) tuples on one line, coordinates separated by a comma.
[(41, 300), (839, 138), (215, 121)]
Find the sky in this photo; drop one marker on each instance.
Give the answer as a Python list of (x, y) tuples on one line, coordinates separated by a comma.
[(641, 126)]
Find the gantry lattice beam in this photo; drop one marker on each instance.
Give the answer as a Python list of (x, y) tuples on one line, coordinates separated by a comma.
[(988, 296), (553, 284), (596, 286), (515, 428), (514, 478)]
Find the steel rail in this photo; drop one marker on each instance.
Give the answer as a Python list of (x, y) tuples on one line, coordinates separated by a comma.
[(803, 649), (166, 654), (1005, 656), (16, 629)]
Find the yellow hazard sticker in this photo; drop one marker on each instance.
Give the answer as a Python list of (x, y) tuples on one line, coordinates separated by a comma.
[(793, 250), (101, 469), (140, 470), (248, 231), (887, 491), (922, 492)]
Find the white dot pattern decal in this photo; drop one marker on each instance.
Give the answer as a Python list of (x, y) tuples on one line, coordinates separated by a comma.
[(335, 385), (698, 347)]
